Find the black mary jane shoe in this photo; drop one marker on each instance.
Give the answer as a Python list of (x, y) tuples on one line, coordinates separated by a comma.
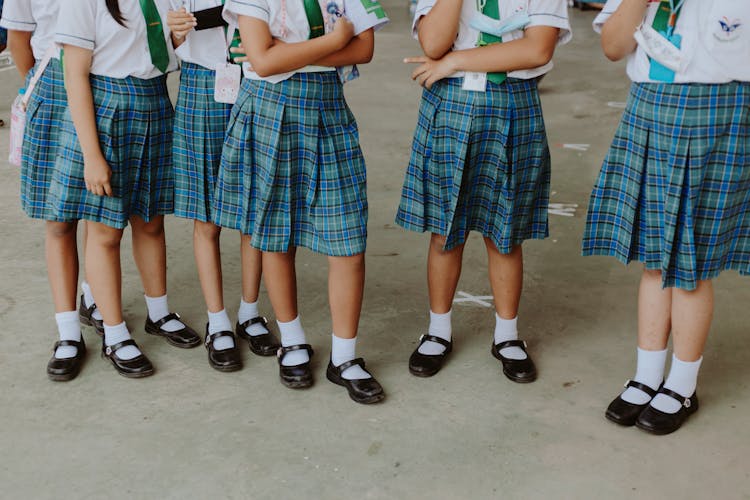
[(297, 376), (185, 338), (64, 369), (522, 371), (365, 391), (265, 344), (427, 365), (86, 317), (225, 360), (625, 413), (660, 423), (138, 367)]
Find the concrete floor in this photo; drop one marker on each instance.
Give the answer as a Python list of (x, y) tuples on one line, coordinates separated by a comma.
[(192, 432)]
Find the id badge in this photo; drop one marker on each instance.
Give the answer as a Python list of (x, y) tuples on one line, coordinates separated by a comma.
[(664, 51), (227, 84), (475, 82)]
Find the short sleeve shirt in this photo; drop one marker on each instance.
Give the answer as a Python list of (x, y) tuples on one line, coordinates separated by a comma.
[(118, 51), (208, 47), (552, 13), (715, 41), (288, 22), (37, 16)]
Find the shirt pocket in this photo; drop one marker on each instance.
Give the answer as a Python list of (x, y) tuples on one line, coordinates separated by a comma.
[(725, 34)]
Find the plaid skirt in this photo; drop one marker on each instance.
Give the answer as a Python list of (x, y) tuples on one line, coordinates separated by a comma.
[(674, 189), (479, 162), (134, 118), (292, 172), (200, 124), (43, 119)]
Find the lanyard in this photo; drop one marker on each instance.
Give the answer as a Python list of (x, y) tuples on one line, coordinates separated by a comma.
[(674, 11)]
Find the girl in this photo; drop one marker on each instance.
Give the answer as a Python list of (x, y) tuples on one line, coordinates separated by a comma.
[(31, 25), (674, 190), (480, 159), (114, 165), (200, 125), (292, 173)]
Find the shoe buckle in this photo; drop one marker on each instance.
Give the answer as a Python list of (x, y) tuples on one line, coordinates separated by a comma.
[(278, 352), (525, 345), (625, 385), (421, 337), (687, 403), (108, 350)]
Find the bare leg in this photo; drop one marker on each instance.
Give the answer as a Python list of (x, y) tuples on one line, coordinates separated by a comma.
[(692, 312), (346, 284), (506, 278), (103, 269), (443, 272), (150, 254), (62, 264), (252, 268), (208, 261), (281, 283)]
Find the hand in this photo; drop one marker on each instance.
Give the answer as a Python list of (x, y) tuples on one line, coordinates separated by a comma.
[(343, 30), (429, 70), (181, 22), (96, 174), (241, 57)]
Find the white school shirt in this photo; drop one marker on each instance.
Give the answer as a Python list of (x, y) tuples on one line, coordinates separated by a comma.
[(119, 51), (207, 48), (38, 16), (552, 13), (362, 13), (715, 41)]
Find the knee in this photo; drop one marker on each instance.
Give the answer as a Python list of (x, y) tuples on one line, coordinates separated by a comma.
[(152, 229), (206, 230), (652, 274), (104, 236), (61, 229)]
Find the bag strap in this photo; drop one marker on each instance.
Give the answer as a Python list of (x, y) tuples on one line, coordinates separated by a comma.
[(39, 72)]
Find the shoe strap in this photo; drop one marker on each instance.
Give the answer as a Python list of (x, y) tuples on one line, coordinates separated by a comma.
[(166, 319), (211, 337), (438, 340), (72, 343), (511, 343), (90, 309), (676, 396), (110, 350), (352, 362), (283, 351), (254, 321), (643, 387)]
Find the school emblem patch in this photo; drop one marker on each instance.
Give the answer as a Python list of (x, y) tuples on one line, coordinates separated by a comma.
[(728, 29)]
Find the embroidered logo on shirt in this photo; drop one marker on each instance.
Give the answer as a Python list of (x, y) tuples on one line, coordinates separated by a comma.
[(729, 29)]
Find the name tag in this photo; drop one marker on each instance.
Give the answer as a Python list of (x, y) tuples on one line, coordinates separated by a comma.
[(227, 83), (475, 82)]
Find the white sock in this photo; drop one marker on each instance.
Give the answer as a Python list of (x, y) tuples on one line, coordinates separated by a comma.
[(157, 309), (116, 334), (219, 322), (440, 326), (649, 371), (248, 311), (683, 378), (88, 299), (68, 328), (343, 350), (507, 329), (293, 334)]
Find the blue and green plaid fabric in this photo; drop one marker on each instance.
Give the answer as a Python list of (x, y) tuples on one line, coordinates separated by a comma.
[(674, 190), (43, 119), (135, 121), (199, 130), (292, 172), (479, 162)]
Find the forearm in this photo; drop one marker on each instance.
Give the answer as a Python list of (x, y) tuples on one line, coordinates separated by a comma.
[(358, 51), (439, 28), (19, 43), (617, 33), (535, 49), (81, 105), (268, 58)]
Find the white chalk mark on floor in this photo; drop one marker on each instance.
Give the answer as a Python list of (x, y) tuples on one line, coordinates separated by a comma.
[(575, 147), (616, 104), (563, 209), (475, 299)]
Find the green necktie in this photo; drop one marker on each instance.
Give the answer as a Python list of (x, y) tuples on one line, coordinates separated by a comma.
[(492, 9), (314, 18), (157, 45)]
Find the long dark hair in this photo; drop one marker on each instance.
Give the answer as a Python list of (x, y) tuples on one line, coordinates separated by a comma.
[(113, 6)]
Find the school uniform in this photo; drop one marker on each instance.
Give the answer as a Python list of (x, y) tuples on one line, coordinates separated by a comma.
[(480, 159), (200, 121), (46, 105), (292, 172), (674, 189), (134, 116)]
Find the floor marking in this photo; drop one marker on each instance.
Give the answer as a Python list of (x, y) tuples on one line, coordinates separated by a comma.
[(576, 147), (564, 209), (476, 299), (616, 104)]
